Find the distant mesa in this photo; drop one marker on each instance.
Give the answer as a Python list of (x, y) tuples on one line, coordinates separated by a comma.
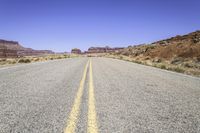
[(93, 50), (13, 49), (76, 51), (106, 49)]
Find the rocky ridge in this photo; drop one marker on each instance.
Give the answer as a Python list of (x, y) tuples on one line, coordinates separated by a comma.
[(14, 49)]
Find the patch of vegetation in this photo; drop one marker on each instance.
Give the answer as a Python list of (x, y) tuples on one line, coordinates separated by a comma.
[(120, 57), (163, 66), (24, 60), (66, 56), (176, 69), (137, 61), (59, 57), (12, 62), (2, 60)]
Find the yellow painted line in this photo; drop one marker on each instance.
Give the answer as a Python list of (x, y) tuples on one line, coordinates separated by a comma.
[(74, 114), (92, 119)]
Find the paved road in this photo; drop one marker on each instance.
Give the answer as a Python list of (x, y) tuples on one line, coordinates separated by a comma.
[(97, 95)]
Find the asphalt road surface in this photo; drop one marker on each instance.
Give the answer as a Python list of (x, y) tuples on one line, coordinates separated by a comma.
[(91, 95)]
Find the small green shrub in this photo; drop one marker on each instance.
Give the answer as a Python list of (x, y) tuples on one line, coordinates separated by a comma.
[(154, 65), (138, 62), (163, 66), (59, 57), (177, 69), (2, 60), (66, 56), (121, 57), (24, 60), (12, 62)]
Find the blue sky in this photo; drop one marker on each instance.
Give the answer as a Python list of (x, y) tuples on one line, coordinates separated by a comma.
[(60, 25)]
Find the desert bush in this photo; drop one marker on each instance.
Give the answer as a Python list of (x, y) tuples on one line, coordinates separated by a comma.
[(2, 60), (163, 66), (120, 57), (59, 57), (12, 61), (24, 60), (188, 65), (66, 56), (138, 62), (197, 59), (177, 69), (154, 65)]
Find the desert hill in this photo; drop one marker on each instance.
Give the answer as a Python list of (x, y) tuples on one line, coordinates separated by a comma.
[(186, 46), (179, 51)]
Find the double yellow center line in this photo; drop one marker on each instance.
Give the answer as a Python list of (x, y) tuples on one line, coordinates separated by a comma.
[(75, 111)]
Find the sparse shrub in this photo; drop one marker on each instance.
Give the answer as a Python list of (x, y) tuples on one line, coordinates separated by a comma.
[(12, 61), (154, 65), (59, 57), (188, 65), (138, 62), (2, 60), (198, 59), (163, 66), (66, 56), (24, 60), (177, 69)]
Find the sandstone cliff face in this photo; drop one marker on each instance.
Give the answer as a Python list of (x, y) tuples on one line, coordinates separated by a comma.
[(7, 48), (76, 51), (14, 49)]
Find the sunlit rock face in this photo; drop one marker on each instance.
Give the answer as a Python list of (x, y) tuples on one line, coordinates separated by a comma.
[(14, 49), (76, 51), (102, 49)]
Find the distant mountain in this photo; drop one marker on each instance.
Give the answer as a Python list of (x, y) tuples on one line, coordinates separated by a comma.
[(103, 49), (14, 49)]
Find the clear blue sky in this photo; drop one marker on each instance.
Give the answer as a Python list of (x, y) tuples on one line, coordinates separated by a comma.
[(60, 25)]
